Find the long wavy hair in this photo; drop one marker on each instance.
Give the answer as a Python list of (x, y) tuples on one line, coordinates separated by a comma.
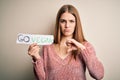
[(78, 33)]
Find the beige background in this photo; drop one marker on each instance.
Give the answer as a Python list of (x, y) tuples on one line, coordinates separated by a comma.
[(101, 25)]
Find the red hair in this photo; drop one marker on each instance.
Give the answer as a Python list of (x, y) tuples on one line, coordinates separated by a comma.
[(78, 33)]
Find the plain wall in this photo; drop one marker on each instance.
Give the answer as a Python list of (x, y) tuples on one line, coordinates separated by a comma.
[(101, 25)]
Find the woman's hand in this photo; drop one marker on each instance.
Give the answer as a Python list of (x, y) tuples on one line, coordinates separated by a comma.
[(74, 45), (33, 51)]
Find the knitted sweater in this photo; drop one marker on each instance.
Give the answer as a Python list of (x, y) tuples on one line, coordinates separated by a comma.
[(53, 67)]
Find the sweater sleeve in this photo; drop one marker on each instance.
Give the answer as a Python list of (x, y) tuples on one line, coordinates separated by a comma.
[(94, 66), (39, 67)]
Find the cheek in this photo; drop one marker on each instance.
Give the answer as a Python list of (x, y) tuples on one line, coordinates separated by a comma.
[(73, 30), (73, 27), (61, 26)]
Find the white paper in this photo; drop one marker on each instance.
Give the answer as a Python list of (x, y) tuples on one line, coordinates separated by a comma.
[(32, 38)]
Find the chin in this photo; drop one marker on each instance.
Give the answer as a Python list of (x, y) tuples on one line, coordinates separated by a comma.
[(67, 35)]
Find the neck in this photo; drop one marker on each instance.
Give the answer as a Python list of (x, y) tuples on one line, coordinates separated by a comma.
[(64, 39)]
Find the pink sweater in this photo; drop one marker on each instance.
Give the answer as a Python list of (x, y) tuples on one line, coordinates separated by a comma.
[(52, 67)]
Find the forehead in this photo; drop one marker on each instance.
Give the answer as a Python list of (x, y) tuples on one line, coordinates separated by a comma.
[(67, 15)]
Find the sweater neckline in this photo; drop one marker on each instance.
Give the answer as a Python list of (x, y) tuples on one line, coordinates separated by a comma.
[(58, 58)]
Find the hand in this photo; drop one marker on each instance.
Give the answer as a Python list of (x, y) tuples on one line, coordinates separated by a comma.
[(33, 51), (74, 45)]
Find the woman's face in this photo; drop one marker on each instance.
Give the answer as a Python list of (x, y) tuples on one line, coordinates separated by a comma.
[(67, 24)]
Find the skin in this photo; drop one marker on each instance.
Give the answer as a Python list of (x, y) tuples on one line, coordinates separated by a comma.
[(67, 25)]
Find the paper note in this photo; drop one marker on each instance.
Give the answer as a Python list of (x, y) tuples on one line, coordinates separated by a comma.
[(32, 38)]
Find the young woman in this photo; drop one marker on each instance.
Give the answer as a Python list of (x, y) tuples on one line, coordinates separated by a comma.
[(70, 54)]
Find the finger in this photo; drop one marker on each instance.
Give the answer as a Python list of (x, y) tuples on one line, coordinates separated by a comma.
[(68, 43), (72, 41), (34, 44), (34, 50), (31, 46), (69, 50), (76, 43)]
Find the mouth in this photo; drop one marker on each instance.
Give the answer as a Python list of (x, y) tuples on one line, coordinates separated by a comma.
[(67, 30)]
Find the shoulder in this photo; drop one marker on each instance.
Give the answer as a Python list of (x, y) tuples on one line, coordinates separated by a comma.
[(47, 47), (89, 47)]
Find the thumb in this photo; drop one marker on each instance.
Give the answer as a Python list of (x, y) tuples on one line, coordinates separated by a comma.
[(69, 50)]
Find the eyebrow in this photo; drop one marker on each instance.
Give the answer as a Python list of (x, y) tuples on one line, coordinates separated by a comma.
[(65, 19)]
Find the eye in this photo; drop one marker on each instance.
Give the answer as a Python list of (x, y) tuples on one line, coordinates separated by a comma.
[(72, 21), (62, 20)]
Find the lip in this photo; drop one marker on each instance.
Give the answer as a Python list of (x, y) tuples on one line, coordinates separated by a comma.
[(67, 30)]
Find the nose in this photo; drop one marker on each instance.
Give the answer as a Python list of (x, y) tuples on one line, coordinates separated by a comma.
[(67, 24)]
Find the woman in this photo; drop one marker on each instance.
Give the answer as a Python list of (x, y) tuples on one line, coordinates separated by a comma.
[(70, 54)]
